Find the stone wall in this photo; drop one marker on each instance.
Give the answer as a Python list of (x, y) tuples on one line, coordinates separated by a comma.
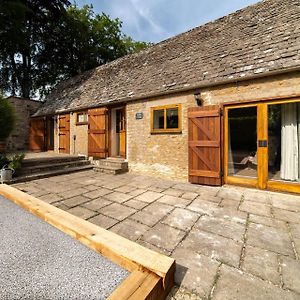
[(19, 138), (163, 155)]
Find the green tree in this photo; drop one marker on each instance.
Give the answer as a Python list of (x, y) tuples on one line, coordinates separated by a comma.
[(44, 42), (7, 118)]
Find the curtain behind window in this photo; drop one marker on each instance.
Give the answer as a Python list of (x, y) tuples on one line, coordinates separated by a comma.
[(289, 169)]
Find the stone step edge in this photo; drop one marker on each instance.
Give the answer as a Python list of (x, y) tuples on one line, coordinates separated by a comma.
[(49, 174)]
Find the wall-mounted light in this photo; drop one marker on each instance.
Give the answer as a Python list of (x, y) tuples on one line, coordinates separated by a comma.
[(198, 98)]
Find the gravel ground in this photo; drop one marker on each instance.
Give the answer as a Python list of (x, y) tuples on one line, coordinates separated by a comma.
[(37, 261)]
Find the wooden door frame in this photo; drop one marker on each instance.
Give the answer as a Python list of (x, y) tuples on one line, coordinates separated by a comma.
[(68, 147), (262, 181), (110, 139)]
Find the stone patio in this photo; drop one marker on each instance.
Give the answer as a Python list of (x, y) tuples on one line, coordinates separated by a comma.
[(229, 242)]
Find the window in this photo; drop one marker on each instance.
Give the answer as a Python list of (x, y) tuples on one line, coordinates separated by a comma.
[(81, 118), (166, 119)]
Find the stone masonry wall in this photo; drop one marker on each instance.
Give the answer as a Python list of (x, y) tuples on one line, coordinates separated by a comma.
[(166, 155), (163, 155), (19, 138)]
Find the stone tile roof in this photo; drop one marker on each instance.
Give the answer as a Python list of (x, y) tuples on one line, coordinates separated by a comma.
[(260, 39)]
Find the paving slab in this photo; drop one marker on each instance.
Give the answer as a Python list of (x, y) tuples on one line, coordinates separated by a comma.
[(130, 229), (51, 198), (40, 262), (74, 201), (195, 271), (230, 193), (214, 246), (174, 201), (267, 221), (163, 236), (291, 274), (236, 285), (203, 207), (287, 216), (189, 195), (229, 203), (256, 208), (97, 193), (73, 193), (262, 263), (103, 221), (82, 212), (96, 204), (117, 211), (173, 192), (257, 196), (181, 218), (125, 189), (135, 204), (149, 196), (270, 238), (223, 227), (287, 202), (118, 197)]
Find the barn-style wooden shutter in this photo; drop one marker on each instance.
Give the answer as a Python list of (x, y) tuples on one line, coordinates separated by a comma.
[(97, 133), (64, 133), (37, 134), (205, 156)]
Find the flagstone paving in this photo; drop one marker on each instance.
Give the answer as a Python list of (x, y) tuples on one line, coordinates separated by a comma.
[(229, 242)]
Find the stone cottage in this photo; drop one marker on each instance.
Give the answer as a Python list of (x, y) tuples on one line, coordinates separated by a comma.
[(217, 104)]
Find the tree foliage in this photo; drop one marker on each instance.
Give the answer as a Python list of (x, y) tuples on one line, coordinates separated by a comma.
[(44, 42)]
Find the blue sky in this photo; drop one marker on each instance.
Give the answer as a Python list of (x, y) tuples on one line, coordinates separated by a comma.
[(156, 20)]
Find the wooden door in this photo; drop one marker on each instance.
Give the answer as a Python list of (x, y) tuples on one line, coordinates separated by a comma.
[(122, 133), (64, 133), (204, 142), (97, 132), (37, 134)]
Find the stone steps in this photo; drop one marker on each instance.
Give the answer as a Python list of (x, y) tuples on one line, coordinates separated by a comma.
[(51, 173), (111, 165), (42, 167)]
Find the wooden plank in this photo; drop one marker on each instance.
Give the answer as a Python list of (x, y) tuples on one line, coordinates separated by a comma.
[(204, 141), (203, 173), (126, 253), (284, 186), (98, 132), (204, 113), (64, 133), (212, 144)]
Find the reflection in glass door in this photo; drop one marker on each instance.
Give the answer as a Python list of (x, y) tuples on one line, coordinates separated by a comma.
[(242, 142)]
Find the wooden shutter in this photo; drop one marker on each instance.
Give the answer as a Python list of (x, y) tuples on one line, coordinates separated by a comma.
[(205, 156), (64, 133), (97, 133), (37, 134)]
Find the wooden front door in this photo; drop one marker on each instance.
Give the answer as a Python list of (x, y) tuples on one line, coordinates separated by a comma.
[(204, 142), (121, 131), (37, 134), (64, 133), (97, 132)]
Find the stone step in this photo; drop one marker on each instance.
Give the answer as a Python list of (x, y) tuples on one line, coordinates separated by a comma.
[(51, 173), (27, 170), (51, 160), (120, 164), (110, 170)]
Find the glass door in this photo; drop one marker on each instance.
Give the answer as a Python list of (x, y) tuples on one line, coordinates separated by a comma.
[(262, 145), (241, 155)]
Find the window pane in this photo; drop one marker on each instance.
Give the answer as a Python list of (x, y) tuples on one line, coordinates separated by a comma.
[(81, 118), (172, 117), (158, 116), (284, 142), (242, 142)]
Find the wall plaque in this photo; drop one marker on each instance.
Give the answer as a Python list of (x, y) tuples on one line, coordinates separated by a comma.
[(139, 115)]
